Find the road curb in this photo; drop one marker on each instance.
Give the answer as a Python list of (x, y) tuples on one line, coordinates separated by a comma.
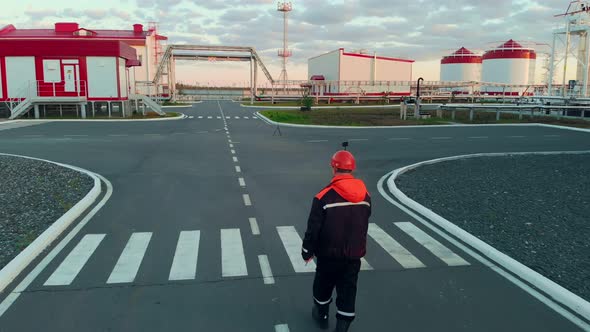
[(556, 292), (40, 121), (320, 107), (25, 257), (179, 106), (293, 125)]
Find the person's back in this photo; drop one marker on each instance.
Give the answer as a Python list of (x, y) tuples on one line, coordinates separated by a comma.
[(346, 203), (337, 235)]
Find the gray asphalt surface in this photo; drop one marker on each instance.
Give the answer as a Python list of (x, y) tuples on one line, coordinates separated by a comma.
[(33, 195), (176, 176), (503, 201)]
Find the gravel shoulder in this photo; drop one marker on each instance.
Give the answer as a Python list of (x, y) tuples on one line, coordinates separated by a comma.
[(535, 209), (33, 195)]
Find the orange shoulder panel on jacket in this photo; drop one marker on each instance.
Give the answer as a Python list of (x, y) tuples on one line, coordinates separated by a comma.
[(324, 191)]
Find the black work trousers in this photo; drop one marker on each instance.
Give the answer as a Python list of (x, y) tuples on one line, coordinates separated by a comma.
[(339, 273)]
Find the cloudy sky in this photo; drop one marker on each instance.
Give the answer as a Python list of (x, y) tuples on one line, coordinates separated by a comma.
[(423, 30)]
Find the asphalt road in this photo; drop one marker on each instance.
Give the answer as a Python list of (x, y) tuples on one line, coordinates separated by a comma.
[(177, 187)]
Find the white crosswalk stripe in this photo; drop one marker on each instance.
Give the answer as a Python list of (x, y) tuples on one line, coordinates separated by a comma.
[(435, 247), (184, 265), (128, 264), (75, 261), (233, 260), (393, 248), (292, 243)]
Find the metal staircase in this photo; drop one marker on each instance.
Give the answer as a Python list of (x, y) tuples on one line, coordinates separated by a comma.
[(150, 103)]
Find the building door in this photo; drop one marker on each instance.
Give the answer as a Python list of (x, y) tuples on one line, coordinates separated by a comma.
[(70, 78)]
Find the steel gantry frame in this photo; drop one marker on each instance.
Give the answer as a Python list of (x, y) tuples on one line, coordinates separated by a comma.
[(206, 53), (577, 28)]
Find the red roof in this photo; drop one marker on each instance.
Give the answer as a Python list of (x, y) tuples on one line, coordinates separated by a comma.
[(510, 50), (68, 31), (510, 44), (463, 51), (461, 55), (70, 47)]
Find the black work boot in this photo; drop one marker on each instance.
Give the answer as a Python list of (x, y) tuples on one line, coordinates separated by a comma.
[(342, 325), (320, 315)]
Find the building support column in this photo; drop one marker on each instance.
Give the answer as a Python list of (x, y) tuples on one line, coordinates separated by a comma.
[(255, 78), (251, 83), (83, 111), (36, 111)]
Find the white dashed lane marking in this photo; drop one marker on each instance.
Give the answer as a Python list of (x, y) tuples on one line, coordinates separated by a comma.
[(247, 200), (254, 226), (265, 269)]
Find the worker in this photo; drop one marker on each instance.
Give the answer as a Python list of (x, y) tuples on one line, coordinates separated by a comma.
[(337, 235)]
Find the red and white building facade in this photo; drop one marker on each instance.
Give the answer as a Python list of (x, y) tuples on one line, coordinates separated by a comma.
[(70, 61), (340, 69)]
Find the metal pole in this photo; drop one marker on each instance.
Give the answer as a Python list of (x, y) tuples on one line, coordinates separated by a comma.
[(586, 68), (417, 104), (551, 67), (255, 77), (567, 51), (251, 84)]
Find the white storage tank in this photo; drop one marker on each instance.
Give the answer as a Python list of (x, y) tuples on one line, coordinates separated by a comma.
[(461, 66), (509, 63)]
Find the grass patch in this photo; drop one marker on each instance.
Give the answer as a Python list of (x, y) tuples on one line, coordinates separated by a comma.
[(391, 117), (322, 103), (347, 117)]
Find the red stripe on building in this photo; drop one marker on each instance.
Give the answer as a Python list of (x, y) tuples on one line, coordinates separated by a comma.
[(510, 54), (378, 57), (65, 48), (461, 59)]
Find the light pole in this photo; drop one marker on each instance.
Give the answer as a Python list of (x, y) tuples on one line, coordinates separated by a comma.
[(417, 104)]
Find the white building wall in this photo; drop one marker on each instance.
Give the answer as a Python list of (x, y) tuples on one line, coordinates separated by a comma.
[(460, 72), (141, 71), (507, 71), (20, 72), (102, 77), (354, 68), (123, 78), (326, 65)]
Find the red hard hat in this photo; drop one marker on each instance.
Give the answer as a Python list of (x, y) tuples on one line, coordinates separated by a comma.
[(343, 160)]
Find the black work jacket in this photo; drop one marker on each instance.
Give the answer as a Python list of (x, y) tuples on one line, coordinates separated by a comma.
[(339, 219)]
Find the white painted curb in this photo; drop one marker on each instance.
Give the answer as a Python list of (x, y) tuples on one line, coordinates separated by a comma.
[(179, 106), (282, 124), (40, 121), (554, 290), (22, 260)]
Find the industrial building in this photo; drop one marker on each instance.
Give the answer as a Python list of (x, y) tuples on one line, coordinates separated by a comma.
[(509, 63), (461, 66), (372, 72), (71, 65)]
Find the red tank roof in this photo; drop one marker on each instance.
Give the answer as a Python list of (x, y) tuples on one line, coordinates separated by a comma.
[(510, 50), (461, 55)]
